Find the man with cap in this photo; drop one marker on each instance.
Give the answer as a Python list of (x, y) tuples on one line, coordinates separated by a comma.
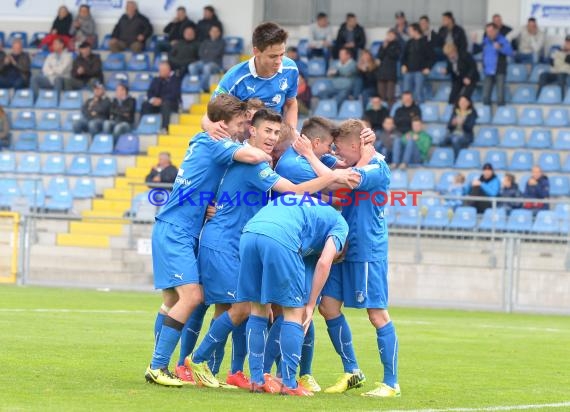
[(560, 69), (401, 27), (95, 111), (86, 69)]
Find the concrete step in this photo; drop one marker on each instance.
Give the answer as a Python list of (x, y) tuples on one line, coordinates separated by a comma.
[(138, 172), (85, 264), (182, 130), (82, 240), (59, 253), (199, 109), (52, 226), (77, 278), (178, 140), (88, 228)]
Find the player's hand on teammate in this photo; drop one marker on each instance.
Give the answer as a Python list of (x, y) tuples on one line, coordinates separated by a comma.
[(347, 177), (367, 152), (302, 145), (210, 212), (218, 131), (368, 136), (308, 317)]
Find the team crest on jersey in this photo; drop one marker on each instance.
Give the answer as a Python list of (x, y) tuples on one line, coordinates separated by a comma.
[(228, 144), (265, 172), (283, 84), (276, 99)]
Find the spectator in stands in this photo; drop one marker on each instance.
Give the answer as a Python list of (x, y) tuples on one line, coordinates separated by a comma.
[(530, 42), (537, 187), (184, 52), (460, 125), (343, 73), (432, 38), (60, 29), (385, 139), (387, 73), (163, 172), (131, 31), (175, 30), (350, 36), (163, 94), (211, 55), (57, 66), (416, 62), (376, 113), (413, 148), (509, 188), (560, 69), (503, 29), (457, 188), (293, 54), (5, 136), (365, 83), (496, 49), (15, 67), (463, 70), (95, 111), (487, 185), (86, 69), (83, 28), (406, 112), (303, 96), (450, 32), (121, 113), (401, 28), (321, 38), (209, 19)]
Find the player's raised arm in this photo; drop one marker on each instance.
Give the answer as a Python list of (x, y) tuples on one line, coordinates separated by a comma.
[(346, 178), (291, 112), (251, 155), (216, 130)]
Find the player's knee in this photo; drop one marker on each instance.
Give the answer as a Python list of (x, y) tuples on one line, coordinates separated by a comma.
[(239, 312), (378, 317), (328, 311), (190, 294)]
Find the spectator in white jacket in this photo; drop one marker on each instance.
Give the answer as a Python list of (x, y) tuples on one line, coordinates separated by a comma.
[(530, 40), (56, 67), (322, 37)]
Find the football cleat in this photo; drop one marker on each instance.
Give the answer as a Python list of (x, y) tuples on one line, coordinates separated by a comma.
[(162, 377), (202, 373), (224, 385), (347, 381), (384, 391), (185, 375), (309, 383), (298, 391), (272, 384), (238, 379)]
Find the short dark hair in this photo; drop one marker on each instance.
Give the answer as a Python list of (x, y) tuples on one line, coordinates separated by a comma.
[(124, 86), (210, 9), (493, 25), (265, 115), (181, 8), (424, 17), (350, 16), (292, 49), (346, 49), (321, 15), (449, 15), (406, 92), (531, 19), (268, 34), (225, 107), (318, 126), (416, 27), (86, 6)]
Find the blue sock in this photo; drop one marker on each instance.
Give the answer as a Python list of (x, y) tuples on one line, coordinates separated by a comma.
[(305, 366), (191, 332), (218, 332), (256, 332), (341, 338), (388, 348), (239, 348), (167, 341), (217, 356), (158, 326), (292, 336), (272, 348)]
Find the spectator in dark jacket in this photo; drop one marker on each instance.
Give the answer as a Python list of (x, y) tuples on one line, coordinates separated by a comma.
[(350, 36), (386, 137), (509, 188), (131, 32), (59, 29), (121, 114), (5, 135), (387, 73), (537, 187), (503, 29), (15, 67), (487, 184), (86, 69), (175, 30), (432, 38), (211, 58), (185, 51), (293, 54), (209, 19), (463, 70), (163, 172), (460, 125), (365, 84), (163, 94), (416, 62), (449, 32), (376, 114), (401, 28), (406, 112), (95, 111), (559, 71), (496, 48)]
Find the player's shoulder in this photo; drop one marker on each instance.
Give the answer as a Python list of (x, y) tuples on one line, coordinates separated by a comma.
[(288, 64)]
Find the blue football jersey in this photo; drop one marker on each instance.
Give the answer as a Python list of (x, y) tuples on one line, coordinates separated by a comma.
[(297, 169), (243, 82)]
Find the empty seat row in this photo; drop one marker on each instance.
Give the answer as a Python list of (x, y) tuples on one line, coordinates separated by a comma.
[(349, 109), (47, 99), (55, 164), (127, 144), (514, 137)]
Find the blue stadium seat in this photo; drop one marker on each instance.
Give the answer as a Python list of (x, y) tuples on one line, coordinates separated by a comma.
[(439, 71), (562, 211), (128, 144), (9, 191), (494, 95), (446, 115), (445, 180), (540, 139), (428, 201), (27, 141), (142, 83), (537, 70), (155, 39), (54, 165), (61, 201), (37, 37), (487, 137), (531, 116), (505, 115), (524, 94), (69, 119), (114, 61), (465, 217), (514, 138), (4, 97), (52, 142), (520, 220), (390, 215), (140, 100), (139, 62), (234, 45), (80, 166), (437, 217), (190, 84), (516, 73), (101, 144), (350, 109), (34, 191), (50, 121), (423, 180), (438, 133), (115, 79), (562, 141), (317, 67), (442, 94), (498, 158), (549, 162), (106, 166), (494, 219), (303, 48), (468, 159), (162, 57), (430, 112), (409, 216), (38, 59), (29, 164), (395, 107), (399, 179), (523, 179), (566, 165), (25, 120), (550, 95), (327, 108), (22, 35), (557, 118), (522, 161), (23, 98), (2, 38), (483, 114), (84, 188), (322, 88), (149, 124), (375, 47), (7, 162), (546, 222), (57, 184), (47, 99), (559, 185), (441, 157), (71, 100)]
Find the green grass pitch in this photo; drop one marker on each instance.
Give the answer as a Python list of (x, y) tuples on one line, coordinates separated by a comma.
[(63, 350)]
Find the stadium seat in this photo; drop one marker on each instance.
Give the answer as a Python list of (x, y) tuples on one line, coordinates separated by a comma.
[(80, 166), (57, 184), (317, 67), (25, 120), (54, 165), (559, 185), (442, 94), (101, 144), (350, 109), (37, 37), (516, 73), (550, 95), (423, 180), (190, 84), (375, 47), (465, 217), (546, 222), (162, 57), (395, 107), (430, 112), (487, 137), (4, 97), (84, 188), (142, 83), (540, 139), (562, 141), (520, 220), (494, 219), (446, 115), (128, 144), (389, 215), (23, 98), (9, 191), (522, 161), (71, 100), (34, 191), (29, 164), (234, 45), (562, 211), (149, 124), (483, 114), (409, 216), (327, 108), (438, 133), (498, 158), (155, 39), (537, 70), (441, 157), (322, 88), (7, 163), (468, 159), (140, 100), (69, 119), (445, 180), (549, 162), (566, 165), (303, 48), (50, 121), (116, 78), (106, 166), (52, 142), (399, 179), (557, 118), (437, 217), (438, 71), (22, 35), (47, 99), (61, 201), (27, 141), (114, 62), (139, 62), (494, 95), (523, 179), (531, 116), (77, 143), (505, 115), (38, 59), (514, 138), (524, 94), (429, 201)]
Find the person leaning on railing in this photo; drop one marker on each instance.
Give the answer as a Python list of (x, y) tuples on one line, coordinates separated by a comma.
[(487, 185)]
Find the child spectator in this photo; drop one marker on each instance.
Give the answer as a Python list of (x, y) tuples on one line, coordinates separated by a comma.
[(413, 148), (509, 188), (406, 112), (457, 188)]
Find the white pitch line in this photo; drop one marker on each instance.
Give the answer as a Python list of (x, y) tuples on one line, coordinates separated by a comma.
[(492, 408), (110, 312)]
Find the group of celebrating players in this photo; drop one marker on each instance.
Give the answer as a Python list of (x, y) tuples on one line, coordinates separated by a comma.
[(266, 267)]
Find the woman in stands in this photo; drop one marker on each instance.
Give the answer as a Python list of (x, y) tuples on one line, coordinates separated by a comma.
[(5, 138), (83, 28), (487, 185), (59, 29), (365, 82), (388, 55), (460, 125)]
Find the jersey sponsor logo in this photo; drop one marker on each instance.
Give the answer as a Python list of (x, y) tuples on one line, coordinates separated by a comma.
[(232, 293), (265, 173), (276, 99), (178, 275), (250, 89), (180, 172), (283, 84)]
